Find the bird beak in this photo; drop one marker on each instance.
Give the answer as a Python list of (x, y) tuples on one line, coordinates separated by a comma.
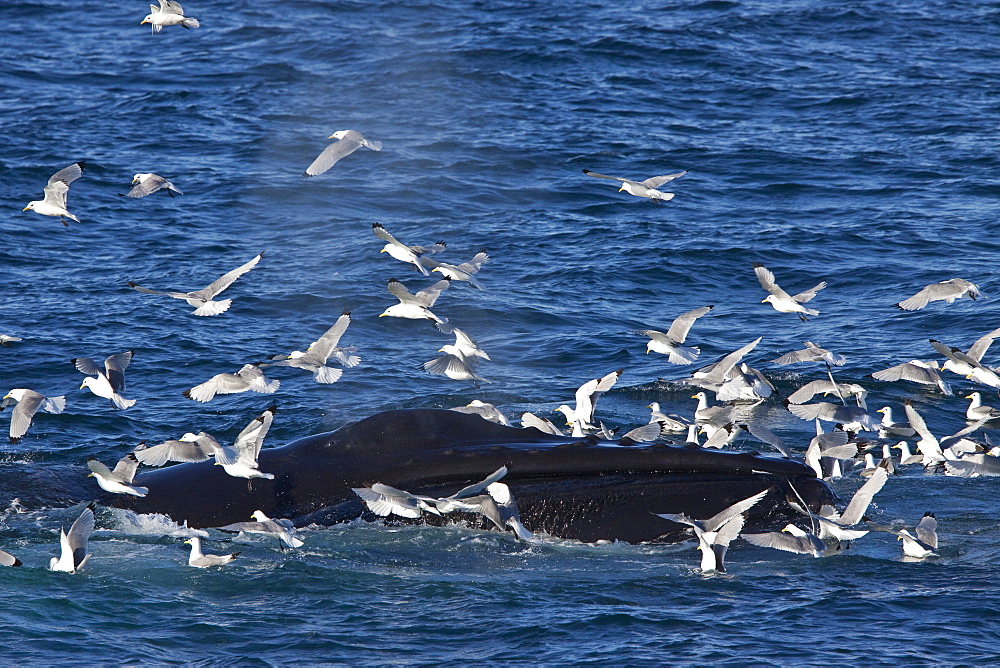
[(764, 300), (331, 137), (143, 21), (622, 188), (83, 386), (90, 475), (25, 208)]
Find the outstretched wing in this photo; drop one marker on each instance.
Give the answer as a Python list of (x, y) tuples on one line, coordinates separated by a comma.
[(681, 325), (341, 148), (224, 281), (657, 181)]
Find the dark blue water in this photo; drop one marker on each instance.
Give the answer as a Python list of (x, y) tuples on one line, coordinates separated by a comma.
[(853, 142)]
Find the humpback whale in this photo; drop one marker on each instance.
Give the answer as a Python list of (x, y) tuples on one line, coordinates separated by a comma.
[(583, 489)]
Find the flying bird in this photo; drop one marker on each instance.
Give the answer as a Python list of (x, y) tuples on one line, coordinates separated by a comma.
[(915, 371), (263, 524), (348, 141), (169, 13), (249, 378), (461, 272), (240, 459), (54, 201), (947, 291), (811, 353), (781, 300), (28, 403), (147, 184), (647, 188), (108, 382), (118, 481), (669, 342), (414, 306), (188, 448), (409, 254), (582, 415), (204, 299), (315, 357)]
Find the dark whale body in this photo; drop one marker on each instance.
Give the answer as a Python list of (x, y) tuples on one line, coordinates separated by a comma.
[(566, 487)]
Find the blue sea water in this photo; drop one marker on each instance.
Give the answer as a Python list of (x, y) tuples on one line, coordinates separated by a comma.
[(853, 142)]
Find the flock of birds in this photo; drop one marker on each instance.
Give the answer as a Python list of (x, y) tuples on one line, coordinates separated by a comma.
[(735, 384)]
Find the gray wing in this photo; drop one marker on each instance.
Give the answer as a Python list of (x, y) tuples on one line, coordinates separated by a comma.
[(79, 533), (657, 181), (20, 418), (55, 193), (762, 433), (441, 366), (388, 500), (224, 281), (69, 174), (809, 390), (384, 235), (399, 291), (980, 347), (429, 295), (115, 366), (807, 295), (8, 559), (766, 278), (726, 364), (139, 288), (251, 439), (529, 419), (910, 372), (927, 530), (99, 468), (795, 356), (728, 532), (644, 434), (602, 176), (478, 487), (780, 540), (738, 508), (681, 325), (473, 265), (147, 186), (953, 353), (172, 451), (863, 497), (341, 148), (87, 366), (943, 290), (326, 343), (916, 421), (126, 467)]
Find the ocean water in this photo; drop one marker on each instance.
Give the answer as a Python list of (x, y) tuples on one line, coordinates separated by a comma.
[(853, 143)]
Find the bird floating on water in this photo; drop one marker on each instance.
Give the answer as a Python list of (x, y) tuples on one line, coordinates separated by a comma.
[(199, 559)]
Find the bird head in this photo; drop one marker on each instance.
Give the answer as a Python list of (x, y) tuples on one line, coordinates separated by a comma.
[(339, 134)]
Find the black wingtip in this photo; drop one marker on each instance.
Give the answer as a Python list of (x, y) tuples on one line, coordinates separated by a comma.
[(347, 311), (187, 393), (82, 165), (757, 264), (586, 171), (132, 284)]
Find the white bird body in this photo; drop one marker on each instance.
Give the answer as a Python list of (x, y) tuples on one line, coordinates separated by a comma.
[(240, 459), (263, 524), (55, 192), (414, 306), (977, 411), (315, 357), (581, 417), (465, 271)]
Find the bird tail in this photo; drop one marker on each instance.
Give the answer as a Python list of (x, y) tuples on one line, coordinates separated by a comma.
[(683, 355), (190, 23), (121, 402), (327, 375), (214, 307)]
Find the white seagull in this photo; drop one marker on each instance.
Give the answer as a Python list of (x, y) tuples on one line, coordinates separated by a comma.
[(717, 532), (169, 13), (947, 291), (28, 403), (199, 559), (73, 555), (647, 188), (978, 411), (781, 300), (240, 459), (315, 357), (54, 202), (146, 184), (249, 378), (811, 353), (915, 371), (414, 306), (263, 524), (409, 254), (188, 448), (669, 342), (108, 382), (462, 272), (118, 481), (204, 299), (581, 417), (348, 141)]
